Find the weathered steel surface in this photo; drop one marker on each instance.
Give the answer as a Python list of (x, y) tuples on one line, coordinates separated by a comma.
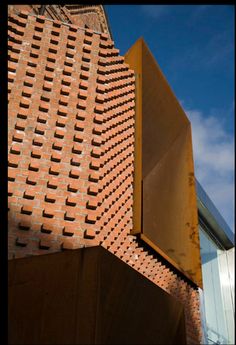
[(88, 296), (169, 207)]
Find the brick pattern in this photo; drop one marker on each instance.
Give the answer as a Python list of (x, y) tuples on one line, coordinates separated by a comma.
[(71, 150)]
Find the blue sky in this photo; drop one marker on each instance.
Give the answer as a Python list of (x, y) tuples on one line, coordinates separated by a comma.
[(194, 47)]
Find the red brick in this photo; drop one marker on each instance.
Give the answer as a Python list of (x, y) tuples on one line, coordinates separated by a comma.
[(68, 230), (73, 186), (26, 209), (89, 233), (74, 173), (29, 194), (69, 215)]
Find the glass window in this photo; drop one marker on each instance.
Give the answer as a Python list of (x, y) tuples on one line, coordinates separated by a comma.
[(217, 292)]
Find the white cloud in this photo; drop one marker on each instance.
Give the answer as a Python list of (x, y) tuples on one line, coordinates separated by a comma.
[(213, 151)]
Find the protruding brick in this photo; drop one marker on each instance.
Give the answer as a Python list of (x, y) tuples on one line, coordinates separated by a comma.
[(26, 209), (29, 194), (69, 215), (44, 244), (74, 173), (21, 241), (68, 230), (89, 233), (91, 218), (49, 197), (73, 186)]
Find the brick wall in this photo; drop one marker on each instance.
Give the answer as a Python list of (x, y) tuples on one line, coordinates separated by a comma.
[(71, 151)]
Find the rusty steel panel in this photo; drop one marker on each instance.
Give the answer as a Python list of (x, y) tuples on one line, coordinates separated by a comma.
[(169, 220), (88, 296)]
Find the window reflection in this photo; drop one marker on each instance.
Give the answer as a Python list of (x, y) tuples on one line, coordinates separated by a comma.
[(217, 292)]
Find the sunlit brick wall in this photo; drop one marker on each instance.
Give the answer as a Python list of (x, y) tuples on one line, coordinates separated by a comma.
[(71, 150)]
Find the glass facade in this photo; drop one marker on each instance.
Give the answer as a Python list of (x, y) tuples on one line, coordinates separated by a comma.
[(218, 291)]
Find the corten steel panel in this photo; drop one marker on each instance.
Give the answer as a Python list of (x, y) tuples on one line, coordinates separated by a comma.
[(88, 296), (169, 206)]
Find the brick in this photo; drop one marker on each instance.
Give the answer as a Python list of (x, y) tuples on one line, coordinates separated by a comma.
[(92, 204), (68, 230), (85, 66), (44, 244), (66, 80), (47, 86), (13, 161), (39, 129), (48, 212), (48, 76), (79, 126), (67, 245), (82, 94), (23, 113), (61, 122), (91, 218), (84, 75), (83, 85), (101, 79), (35, 153), (74, 173), (50, 66), (54, 169), (42, 118), (99, 109), (73, 186), (86, 57), (77, 148), (69, 215), (64, 100), (82, 104), (78, 137), (81, 115), (11, 175), (20, 125), (52, 183), (21, 241), (26, 209), (96, 152), (33, 165), (65, 90), (24, 225), (98, 118), (29, 194), (56, 157), (59, 133), (63, 111), (89, 233), (38, 141), (76, 161), (49, 197), (94, 176), (47, 228), (97, 141), (93, 189), (15, 149), (32, 179), (57, 145)]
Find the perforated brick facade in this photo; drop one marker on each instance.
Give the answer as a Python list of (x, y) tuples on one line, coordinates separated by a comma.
[(71, 150)]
